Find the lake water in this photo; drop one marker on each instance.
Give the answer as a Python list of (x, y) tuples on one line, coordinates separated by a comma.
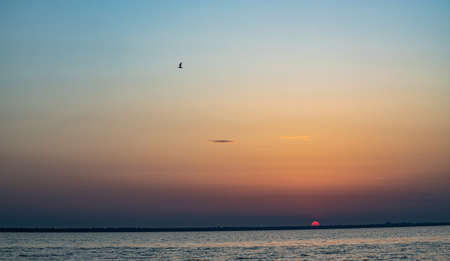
[(413, 243)]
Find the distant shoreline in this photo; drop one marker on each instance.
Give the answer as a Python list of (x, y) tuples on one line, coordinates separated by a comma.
[(213, 229)]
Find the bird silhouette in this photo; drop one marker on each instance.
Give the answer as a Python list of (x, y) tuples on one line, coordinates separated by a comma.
[(180, 65)]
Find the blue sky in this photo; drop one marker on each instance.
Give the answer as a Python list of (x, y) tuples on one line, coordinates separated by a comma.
[(90, 94)]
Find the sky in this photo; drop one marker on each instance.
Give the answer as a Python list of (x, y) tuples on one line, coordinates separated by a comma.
[(334, 111)]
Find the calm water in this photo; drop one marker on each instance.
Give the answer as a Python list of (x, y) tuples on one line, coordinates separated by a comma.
[(429, 243)]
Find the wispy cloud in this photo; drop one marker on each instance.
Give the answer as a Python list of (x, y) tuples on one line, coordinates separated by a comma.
[(222, 141), (303, 138)]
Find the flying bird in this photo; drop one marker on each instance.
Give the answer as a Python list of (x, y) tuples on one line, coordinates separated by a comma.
[(180, 65)]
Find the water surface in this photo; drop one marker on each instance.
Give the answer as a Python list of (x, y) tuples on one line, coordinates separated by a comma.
[(411, 243)]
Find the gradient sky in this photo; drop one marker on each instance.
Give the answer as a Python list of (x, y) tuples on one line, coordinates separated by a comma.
[(338, 111)]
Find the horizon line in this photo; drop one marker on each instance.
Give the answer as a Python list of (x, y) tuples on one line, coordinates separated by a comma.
[(212, 229)]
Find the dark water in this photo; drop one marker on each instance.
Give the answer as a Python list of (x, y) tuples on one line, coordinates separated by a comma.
[(413, 243)]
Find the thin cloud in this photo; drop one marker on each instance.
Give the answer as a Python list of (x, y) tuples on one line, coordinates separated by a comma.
[(303, 138), (221, 141)]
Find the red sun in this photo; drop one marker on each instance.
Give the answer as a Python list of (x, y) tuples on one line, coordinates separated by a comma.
[(315, 223)]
